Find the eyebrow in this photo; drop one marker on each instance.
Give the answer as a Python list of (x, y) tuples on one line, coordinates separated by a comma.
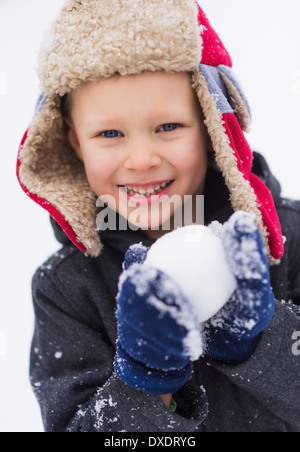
[(159, 116)]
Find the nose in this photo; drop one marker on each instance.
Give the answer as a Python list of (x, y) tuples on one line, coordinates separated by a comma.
[(142, 156)]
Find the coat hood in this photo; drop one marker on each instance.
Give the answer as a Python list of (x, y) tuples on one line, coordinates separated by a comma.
[(94, 38)]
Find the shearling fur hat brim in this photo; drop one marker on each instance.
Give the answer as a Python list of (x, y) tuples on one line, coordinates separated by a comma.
[(119, 37)]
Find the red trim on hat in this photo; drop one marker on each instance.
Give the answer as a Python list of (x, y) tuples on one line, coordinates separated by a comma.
[(213, 52), (56, 214), (264, 197), (240, 145), (269, 214)]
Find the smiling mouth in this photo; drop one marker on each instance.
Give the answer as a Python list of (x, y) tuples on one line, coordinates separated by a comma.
[(146, 190)]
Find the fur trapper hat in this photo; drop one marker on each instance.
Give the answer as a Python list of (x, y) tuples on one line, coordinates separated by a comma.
[(98, 38)]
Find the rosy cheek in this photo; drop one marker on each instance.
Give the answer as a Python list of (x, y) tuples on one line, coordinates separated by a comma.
[(94, 172), (100, 170), (190, 158)]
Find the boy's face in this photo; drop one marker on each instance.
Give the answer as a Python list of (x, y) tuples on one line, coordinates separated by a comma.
[(144, 132)]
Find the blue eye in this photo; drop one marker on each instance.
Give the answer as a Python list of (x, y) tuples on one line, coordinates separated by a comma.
[(169, 127), (110, 134)]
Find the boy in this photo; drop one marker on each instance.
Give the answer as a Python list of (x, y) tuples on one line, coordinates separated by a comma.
[(129, 113)]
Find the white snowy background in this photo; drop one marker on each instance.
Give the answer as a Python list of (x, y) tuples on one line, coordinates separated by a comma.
[(264, 40)]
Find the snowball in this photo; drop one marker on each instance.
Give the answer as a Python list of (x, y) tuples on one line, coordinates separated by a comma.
[(194, 257)]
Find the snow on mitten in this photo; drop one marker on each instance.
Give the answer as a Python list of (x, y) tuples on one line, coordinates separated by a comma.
[(158, 335), (233, 334)]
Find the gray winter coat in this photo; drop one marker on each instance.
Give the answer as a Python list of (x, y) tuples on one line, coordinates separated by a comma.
[(75, 333)]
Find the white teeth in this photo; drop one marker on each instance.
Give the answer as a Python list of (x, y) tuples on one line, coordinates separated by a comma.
[(134, 191)]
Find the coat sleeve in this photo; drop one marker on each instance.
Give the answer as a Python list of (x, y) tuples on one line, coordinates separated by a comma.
[(272, 374), (73, 378)]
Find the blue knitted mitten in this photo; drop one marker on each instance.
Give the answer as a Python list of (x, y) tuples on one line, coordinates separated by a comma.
[(233, 334), (158, 333)]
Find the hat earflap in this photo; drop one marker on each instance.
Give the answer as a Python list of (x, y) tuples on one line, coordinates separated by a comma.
[(51, 174), (234, 157)]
